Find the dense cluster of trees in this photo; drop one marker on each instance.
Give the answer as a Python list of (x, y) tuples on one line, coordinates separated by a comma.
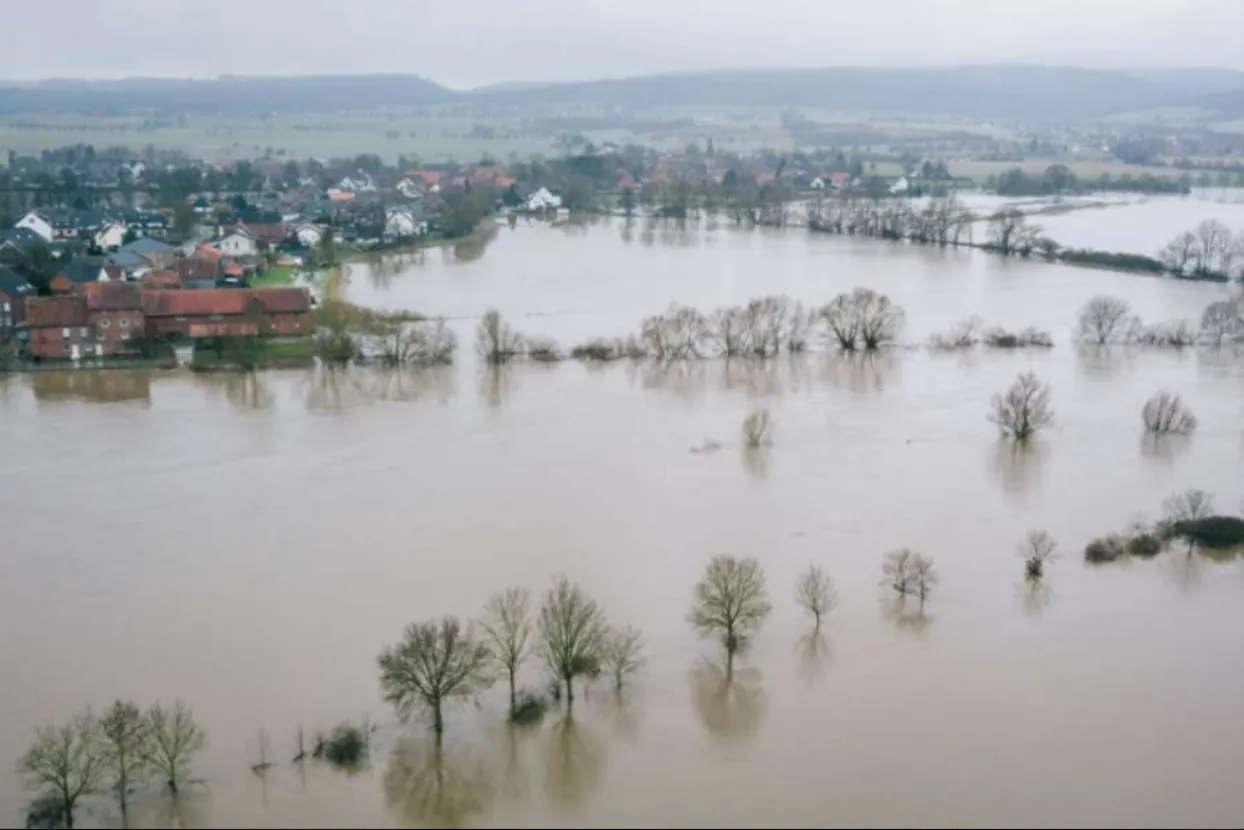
[(1057, 180), (1187, 517), (940, 221), (1211, 251)]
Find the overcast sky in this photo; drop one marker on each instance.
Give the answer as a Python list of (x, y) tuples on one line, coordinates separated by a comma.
[(465, 43)]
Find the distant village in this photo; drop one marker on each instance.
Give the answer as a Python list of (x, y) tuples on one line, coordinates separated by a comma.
[(109, 252)]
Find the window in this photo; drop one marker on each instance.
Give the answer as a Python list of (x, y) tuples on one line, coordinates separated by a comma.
[(64, 333), (5, 306), (82, 332), (125, 322), (105, 323)]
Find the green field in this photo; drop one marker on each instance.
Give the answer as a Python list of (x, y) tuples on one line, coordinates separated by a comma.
[(275, 275)]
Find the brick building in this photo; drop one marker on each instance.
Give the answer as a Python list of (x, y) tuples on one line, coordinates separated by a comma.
[(114, 314), (58, 328)]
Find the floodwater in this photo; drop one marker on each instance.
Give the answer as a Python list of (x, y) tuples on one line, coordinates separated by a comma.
[(249, 545)]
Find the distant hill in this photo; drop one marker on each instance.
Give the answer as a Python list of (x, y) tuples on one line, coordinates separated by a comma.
[(1013, 92)]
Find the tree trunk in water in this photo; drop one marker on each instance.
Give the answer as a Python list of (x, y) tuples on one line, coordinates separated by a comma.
[(513, 696), (729, 664), (569, 694), (438, 725)]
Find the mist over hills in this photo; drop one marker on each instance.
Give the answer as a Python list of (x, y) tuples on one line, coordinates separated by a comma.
[(1004, 92)]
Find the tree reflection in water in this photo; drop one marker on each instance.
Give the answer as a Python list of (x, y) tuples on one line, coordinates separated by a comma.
[(244, 390), (860, 373), (814, 651), (756, 462), (496, 385), (1163, 449), (382, 268), (907, 616), (1035, 596), (175, 811), (574, 759), (1017, 465), (426, 785), (330, 388), (1104, 362), (731, 709)]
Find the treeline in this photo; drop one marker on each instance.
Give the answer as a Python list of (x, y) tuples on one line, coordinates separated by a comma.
[(1057, 180)]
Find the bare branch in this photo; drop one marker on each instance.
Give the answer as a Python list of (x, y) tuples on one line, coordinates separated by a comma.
[(815, 592), (1023, 409), (1165, 413)]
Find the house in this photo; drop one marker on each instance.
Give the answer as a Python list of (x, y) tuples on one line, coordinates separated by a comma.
[(408, 189), (543, 200), (817, 184), (308, 235), (194, 314), (239, 242), (157, 254), (900, 186), (114, 315), (14, 289), (110, 237), (401, 223), (57, 327), (36, 222), (16, 244), (85, 269), (131, 264), (199, 271), (839, 180)]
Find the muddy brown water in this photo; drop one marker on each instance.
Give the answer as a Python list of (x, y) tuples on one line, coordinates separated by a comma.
[(250, 545)]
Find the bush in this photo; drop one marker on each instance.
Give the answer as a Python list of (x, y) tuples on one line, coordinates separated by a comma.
[(346, 746), (1145, 545), (1165, 413), (595, 349), (1214, 532), (529, 708), (1000, 338), (544, 350), (1105, 549)]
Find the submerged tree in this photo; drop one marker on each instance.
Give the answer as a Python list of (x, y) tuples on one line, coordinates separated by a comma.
[(1103, 319), (1165, 414), (572, 634), (1023, 409), (65, 764), (495, 341), (863, 319), (757, 429), (507, 625), (731, 603), (815, 592), (899, 571), (1037, 549), (436, 662), (175, 739), (126, 735), (1182, 510), (622, 654), (924, 577)]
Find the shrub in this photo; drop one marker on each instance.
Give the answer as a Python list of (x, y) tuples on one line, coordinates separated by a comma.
[(1177, 335), (544, 350), (963, 335), (1214, 532), (1145, 545), (1105, 549), (1023, 409), (529, 708), (1165, 413), (346, 746), (1000, 338), (595, 349)]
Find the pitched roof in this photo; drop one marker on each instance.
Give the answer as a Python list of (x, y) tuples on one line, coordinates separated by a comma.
[(21, 237), (146, 245), (198, 268), (83, 269), (284, 299), (162, 279), (55, 311), (195, 302), (12, 283), (113, 296)]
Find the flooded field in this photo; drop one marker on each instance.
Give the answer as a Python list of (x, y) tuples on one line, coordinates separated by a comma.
[(250, 544)]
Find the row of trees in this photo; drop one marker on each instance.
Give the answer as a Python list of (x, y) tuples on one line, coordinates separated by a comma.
[(1209, 251), (941, 221), (1105, 320), (119, 752)]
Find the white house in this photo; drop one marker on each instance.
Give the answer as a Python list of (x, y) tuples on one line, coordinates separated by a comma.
[(238, 243), (899, 186), (308, 235), (818, 183), (408, 189), (542, 199), (38, 223), (111, 235), (137, 169), (400, 223)]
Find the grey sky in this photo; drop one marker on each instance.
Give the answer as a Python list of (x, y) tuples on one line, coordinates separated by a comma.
[(472, 42)]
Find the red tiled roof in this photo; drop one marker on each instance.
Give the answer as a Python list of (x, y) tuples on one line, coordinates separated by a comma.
[(207, 251), (234, 270), (195, 302), (55, 311), (198, 268), (162, 279), (284, 299), (504, 182), (430, 177), (112, 296)]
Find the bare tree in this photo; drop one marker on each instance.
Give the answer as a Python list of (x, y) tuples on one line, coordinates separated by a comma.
[(1221, 321), (1103, 319), (436, 662), (1008, 231), (729, 331), (67, 763), (963, 335), (731, 603), (881, 321), (622, 654), (681, 333), (1165, 413), (175, 739), (1023, 409), (924, 576), (815, 592), (899, 571), (126, 733), (572, 634), (842, 322), (1179, 253), (1037, 549), (507, 625), (495, 341), (758, 429)]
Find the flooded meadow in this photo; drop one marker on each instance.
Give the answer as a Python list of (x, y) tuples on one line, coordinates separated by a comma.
[(249, 544)]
